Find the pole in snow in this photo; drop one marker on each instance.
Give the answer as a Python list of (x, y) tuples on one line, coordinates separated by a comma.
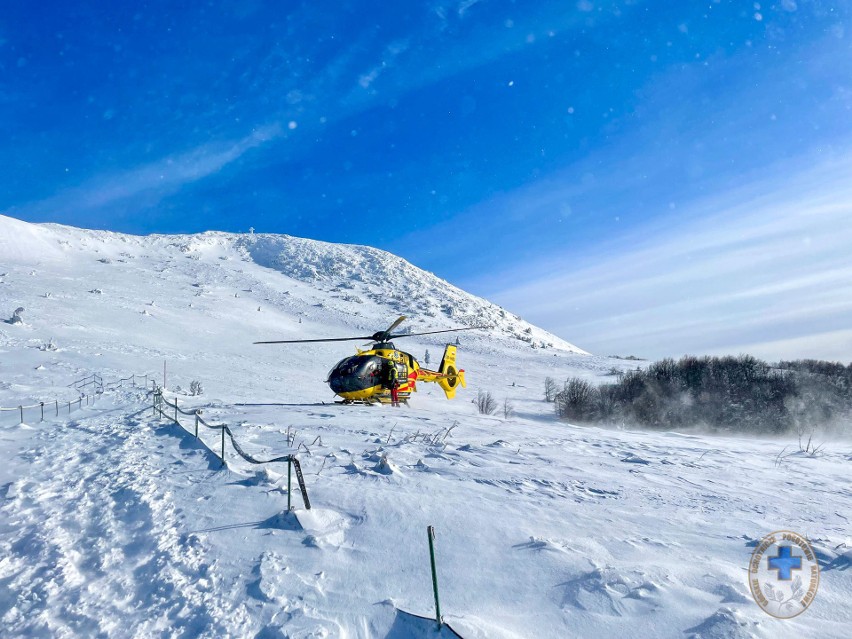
[(430, 530), (289, 482)]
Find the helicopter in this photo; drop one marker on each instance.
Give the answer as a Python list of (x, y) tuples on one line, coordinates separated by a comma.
[(362, 378)]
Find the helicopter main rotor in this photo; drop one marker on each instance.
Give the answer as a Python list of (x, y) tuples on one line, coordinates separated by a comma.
[(378, 336)]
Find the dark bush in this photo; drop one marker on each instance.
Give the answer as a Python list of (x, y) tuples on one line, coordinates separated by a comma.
[(736, 394)]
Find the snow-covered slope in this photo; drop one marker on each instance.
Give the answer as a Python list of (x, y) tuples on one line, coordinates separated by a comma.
[(114, 523)]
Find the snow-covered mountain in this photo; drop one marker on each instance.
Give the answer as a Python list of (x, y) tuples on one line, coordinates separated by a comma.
[(116, 523)]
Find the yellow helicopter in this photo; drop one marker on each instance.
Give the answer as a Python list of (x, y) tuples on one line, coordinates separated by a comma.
[(366, 378)]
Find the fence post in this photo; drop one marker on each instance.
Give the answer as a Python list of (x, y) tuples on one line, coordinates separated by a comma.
[(430, 530), (42, 411), (176, 417), (69, 408), (57, 407), (289, 481), (223, 445), (196, 423), (133, 379), (22, 413)]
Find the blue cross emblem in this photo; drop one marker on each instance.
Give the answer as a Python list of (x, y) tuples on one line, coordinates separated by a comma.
[(785, 563)]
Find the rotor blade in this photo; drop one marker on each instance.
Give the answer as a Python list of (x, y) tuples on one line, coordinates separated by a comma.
[(395, 324), (328, 339), (449, 330)]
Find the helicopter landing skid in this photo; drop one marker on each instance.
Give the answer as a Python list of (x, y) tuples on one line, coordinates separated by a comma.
[(357, 402), (370, 402)]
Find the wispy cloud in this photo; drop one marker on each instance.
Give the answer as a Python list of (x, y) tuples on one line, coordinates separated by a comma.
[(765, 268), (154, 180)]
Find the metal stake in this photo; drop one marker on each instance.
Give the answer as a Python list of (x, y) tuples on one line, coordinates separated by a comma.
[(42, 411), (430, 530), (289, 481)]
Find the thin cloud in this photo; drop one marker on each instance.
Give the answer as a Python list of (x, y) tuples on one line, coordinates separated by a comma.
[(157, 179), (765, 268)]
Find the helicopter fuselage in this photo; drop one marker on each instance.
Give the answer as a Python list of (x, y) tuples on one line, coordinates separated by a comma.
[(365, 376)]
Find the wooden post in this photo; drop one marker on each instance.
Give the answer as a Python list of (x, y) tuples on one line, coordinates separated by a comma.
[(176, 417), (196, 423), (57, 407), (289, 482), (22, 413), (42, 411)]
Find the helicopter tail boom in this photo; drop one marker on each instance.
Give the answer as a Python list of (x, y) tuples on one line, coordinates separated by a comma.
[(448, 377), (451, 376)]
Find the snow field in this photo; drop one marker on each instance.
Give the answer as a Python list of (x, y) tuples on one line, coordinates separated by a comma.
[(114, 523)]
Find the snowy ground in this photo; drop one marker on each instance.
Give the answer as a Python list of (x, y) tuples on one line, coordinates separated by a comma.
[(116, 523)]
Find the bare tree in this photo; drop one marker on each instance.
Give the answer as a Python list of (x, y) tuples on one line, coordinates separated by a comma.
[(508, 409), (550, 389)]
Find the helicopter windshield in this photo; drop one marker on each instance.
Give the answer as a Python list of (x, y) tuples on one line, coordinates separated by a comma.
[(355, 365)]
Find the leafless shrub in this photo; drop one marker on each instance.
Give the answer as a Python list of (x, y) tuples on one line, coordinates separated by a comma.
[(508, 409), (550, 389), (485, 403), (577, 400), (810, 447), (449, 430)]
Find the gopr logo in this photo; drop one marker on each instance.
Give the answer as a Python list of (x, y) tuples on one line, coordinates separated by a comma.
[(783, 574)]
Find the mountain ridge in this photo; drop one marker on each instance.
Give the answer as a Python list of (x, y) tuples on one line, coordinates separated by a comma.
[(349, 275)]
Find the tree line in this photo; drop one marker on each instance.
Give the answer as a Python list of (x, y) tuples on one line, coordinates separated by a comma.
[(739, 394)]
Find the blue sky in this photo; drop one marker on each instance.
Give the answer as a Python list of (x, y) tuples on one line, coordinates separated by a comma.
[(564, 159)]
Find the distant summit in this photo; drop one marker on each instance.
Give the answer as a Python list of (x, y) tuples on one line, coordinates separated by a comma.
[(351, 282)]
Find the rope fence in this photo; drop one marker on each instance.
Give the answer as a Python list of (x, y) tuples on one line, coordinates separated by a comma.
[(94, 380), (161, 405), (90, 388)]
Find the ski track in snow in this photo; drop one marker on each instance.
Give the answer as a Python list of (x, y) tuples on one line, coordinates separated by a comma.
[(117, 524)]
